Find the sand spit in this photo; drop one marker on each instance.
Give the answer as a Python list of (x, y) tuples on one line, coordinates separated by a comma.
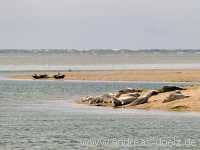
[(157, 75)]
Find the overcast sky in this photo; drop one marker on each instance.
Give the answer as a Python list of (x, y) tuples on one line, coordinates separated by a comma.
[(134, 24)]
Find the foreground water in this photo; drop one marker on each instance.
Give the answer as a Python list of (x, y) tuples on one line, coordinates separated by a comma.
[(42, 115)]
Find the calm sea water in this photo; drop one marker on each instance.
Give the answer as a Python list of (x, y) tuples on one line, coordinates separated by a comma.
[(26, 60), (37, 115), (41, 115)]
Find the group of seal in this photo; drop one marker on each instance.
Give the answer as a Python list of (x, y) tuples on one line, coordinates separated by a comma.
[(46, 76), (132, 97)]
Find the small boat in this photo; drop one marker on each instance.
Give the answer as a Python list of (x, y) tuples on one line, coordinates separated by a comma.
[(40, 76), (59, 76)]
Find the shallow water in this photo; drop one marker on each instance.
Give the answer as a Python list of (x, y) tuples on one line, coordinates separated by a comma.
[(41, 115)]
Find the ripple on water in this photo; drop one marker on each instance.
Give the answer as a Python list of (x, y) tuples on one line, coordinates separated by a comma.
[(33, 118)]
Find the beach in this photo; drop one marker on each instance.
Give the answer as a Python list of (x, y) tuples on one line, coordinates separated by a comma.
[(187, 99), (154, 75), (190, 103)]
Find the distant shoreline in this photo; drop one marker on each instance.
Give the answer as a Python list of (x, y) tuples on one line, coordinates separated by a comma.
[(154, 75)]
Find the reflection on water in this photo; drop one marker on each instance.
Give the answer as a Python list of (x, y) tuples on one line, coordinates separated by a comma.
[(40, 115)]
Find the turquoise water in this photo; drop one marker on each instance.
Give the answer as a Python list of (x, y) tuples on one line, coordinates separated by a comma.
[(41, 115)]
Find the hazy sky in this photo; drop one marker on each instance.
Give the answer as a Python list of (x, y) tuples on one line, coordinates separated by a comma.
[(100, 24)]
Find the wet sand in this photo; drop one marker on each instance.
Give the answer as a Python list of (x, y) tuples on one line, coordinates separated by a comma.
[(160, 75)]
